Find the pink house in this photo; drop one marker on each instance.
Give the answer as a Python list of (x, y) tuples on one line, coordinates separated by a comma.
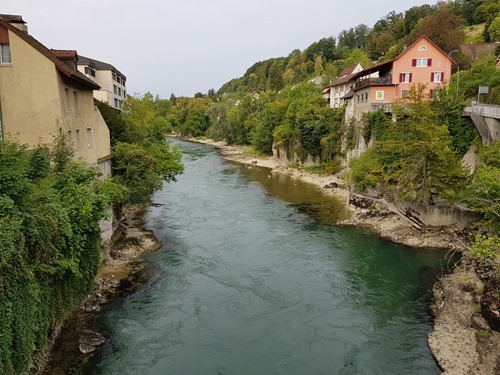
[(386, 83)]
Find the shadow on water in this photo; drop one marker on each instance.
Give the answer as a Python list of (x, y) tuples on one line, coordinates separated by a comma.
[(306, 197)]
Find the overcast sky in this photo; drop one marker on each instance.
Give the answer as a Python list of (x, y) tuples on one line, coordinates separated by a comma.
[(189, 46)]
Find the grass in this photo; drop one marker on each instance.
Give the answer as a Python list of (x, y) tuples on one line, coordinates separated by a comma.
[(319, 170), (254, 152)]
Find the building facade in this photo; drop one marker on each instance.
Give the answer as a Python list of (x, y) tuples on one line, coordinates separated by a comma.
[(384, 84), (42, 93), (336, 91), (113, 89)]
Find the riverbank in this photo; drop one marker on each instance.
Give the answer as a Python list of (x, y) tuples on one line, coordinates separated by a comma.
[(123, 271), (383, 220), (462, 342)]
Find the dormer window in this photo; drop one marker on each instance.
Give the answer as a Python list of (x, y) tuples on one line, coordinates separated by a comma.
[(5, 54)]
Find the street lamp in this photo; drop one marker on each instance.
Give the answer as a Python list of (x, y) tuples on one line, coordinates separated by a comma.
[(458, 66)]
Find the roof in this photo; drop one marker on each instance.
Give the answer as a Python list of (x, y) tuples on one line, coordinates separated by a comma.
[(60, 66), (12, 18), (64, 54), (377, 67), (349, 94), (348, 70), (99, 65)]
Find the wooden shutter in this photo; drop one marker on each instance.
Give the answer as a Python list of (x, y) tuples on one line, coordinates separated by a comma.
[(400, 77), (414, 62), (432, 76), (442, 76), (410, 77), (429, 62), (431, 93)]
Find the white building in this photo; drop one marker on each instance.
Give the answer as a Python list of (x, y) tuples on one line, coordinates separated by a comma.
[(113, 83), (341, 86)]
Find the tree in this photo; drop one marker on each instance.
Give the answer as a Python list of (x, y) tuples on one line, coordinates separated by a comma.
[(415, 157), (443, 27)]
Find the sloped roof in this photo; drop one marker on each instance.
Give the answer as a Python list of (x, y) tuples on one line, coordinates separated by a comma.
[(99, 65), (345, 76), (12, 18), (349, 95), (377, 67), (60, 66), (348, 70)]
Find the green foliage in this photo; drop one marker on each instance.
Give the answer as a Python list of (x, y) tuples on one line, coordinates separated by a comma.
[(448, 108), (366, 171), (485, 247), (49, 246), (482, 193), (316, 169), (62, 153), (415, 154), (482, 73)]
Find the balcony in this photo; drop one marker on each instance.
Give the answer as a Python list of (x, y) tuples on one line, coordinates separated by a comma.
[(378, 81)]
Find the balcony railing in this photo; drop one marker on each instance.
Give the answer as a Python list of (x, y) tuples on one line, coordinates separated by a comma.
[(371, 82)]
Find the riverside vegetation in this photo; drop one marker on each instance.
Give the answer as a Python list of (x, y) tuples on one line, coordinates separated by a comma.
[(49, 223), (49, 215)]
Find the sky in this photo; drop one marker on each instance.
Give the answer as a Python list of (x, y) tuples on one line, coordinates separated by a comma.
[(189, 46)]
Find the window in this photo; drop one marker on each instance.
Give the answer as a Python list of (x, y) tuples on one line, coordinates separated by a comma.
[(422, 48), (116, 103), (75, 100), (366, 96), (69, 103), (5, 54), (379, 95), (90, 71), (405, 77), (114, 76), (437, 76), (77, 139), (423, 62), (70, 139), (404, 93), (89, 137), (115, 89)]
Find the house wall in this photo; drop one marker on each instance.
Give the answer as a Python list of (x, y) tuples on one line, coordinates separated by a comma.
[(421, 49), (29, 95), (36, 100)]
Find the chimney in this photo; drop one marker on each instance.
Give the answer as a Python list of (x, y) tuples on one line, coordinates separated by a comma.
[(16, 21)]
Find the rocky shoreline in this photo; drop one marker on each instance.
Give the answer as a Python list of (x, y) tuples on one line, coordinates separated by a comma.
[(462, 342)]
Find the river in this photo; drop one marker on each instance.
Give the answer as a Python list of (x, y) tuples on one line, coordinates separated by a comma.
[(253, 280)]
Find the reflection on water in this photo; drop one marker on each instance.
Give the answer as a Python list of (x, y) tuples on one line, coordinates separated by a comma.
[(256, 284)]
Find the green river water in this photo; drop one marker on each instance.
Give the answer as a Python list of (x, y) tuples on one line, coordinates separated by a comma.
[(253, 280)]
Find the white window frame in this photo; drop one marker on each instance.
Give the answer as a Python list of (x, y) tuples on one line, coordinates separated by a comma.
[(406, 77), (436, 75), (421, 62), (379, 95), (5, 56)]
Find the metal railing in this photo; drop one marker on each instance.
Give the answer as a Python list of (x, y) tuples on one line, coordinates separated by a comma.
[(372, 81)]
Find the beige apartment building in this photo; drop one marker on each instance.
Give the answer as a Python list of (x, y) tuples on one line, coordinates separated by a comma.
[(42, 92), (113, 89)]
